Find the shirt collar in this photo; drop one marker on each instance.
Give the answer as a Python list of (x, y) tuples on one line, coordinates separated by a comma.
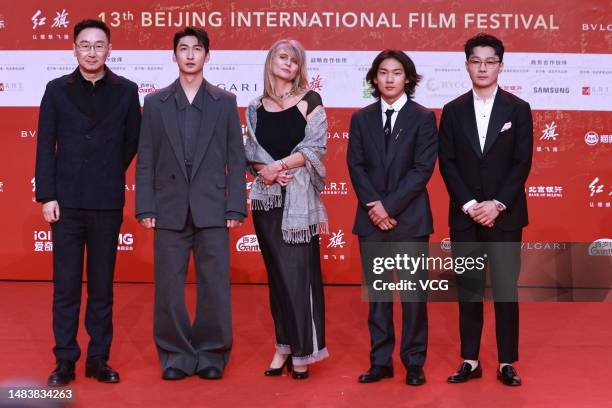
[(479, 99), (181, 99), (99, 82), (396, 106)]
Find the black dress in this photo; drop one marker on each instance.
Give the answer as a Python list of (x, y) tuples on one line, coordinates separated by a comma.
[(294, 270)]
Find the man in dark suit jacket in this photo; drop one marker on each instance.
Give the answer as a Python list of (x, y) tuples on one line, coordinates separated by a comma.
[(190, 187), (486, 138), (87, 137), (391, 156)]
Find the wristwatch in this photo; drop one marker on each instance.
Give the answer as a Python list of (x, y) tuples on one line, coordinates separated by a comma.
[(500, 207)]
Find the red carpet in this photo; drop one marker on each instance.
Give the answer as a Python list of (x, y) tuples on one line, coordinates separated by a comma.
[(566, 356)]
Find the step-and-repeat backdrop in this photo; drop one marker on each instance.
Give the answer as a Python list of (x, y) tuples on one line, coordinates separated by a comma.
[(558, 59)]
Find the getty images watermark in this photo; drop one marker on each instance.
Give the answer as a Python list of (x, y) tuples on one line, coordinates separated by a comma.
[(477, 271)]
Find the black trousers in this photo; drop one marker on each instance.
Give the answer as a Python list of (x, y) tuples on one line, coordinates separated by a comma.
[(413, 346), (504, 262), (77, 231), (296, 290), (207, 342)]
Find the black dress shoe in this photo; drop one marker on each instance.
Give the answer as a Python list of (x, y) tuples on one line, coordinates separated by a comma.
[(173, 374), (62, 375), (376, 373), (300, 375), (465, 373), (274, 372), (415, 375), (101, 371), (508, 376), (210, 373)]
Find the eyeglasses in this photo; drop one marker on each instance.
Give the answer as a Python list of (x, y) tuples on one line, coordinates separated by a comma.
[(85, 47), (489, 64)]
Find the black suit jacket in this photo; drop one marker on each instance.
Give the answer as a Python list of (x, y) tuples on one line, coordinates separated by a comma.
[(397, 178), (216, 190), (500, 171), (80, 159)]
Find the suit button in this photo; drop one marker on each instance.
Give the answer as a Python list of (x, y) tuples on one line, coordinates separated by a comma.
[(88, 136), (173, 177), (86, 161)]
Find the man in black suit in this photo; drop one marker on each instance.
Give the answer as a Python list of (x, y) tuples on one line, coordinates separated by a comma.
[(190, 187), (87, 137), (391, 156), (486, 138)]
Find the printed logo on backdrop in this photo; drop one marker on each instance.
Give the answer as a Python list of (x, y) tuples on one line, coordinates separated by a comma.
[(51, 26), (446, 87), (553, 90), (599, 195), (335, 242), (592, 138), (335, 188), (601, 247), (1, 186), (147, 87), (125, 242), (43, 241), (445, 245), (337, 135), (27, 134), (2, 22), (248, 243), (545, 191), (548, 136), (590, 90), (596, 27), (235, 87), (513, 89), (544, 246), (316, 83), (11, 87)]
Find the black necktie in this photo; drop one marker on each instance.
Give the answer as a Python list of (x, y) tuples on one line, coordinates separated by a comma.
[(387, 128)]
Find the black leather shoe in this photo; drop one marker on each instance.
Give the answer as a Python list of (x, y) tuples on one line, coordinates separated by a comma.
[(210, 373), (274, 372), (508, 376), (62, 375), (173, 374), (465, 373), (300, 375), (415, 375), (101, 371), (376, 373)]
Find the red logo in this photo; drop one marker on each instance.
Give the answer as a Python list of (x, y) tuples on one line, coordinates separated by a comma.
[(1, 87), (586, 90)]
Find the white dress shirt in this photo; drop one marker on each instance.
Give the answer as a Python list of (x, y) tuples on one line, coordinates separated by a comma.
[(482, 109), (396, 106)]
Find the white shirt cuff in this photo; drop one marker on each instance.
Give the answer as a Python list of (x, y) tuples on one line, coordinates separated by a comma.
[(468, 205)]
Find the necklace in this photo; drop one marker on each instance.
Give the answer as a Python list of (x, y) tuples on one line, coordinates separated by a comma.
[(285, 95)]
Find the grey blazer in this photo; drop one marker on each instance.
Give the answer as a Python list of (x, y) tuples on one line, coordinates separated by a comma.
[(216, 191)]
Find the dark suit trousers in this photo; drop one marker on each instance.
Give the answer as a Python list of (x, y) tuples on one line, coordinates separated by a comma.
[(504, 262), (208, 341), (96, 231), (413, 347)]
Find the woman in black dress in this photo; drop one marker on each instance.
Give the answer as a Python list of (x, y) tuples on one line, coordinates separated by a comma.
[(287, 137)]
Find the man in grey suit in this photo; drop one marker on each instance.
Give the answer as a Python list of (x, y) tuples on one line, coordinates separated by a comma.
[(190, 187)]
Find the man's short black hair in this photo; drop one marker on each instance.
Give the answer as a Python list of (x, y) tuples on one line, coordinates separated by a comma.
[(484, 40), (198, 33), (90, 23), (409, 68)]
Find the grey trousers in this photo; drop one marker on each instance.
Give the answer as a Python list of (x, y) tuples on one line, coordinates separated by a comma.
[(207, 341)]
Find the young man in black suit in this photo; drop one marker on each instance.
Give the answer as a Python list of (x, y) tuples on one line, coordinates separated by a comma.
[(87, 136), (391, 156), (486, 138)]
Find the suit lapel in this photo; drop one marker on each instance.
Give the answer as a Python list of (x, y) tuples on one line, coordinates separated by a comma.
[(207, 126), (170, 120), (498, 117), (112, 94), (402, 122), (376, 132), (468, 122), (76, 95)]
